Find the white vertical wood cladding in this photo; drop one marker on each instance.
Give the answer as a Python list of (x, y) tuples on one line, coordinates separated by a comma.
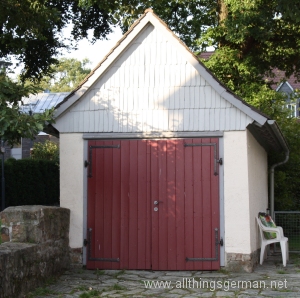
[(151, 87)]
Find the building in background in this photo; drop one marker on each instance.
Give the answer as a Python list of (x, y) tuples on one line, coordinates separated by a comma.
[(33, 104)]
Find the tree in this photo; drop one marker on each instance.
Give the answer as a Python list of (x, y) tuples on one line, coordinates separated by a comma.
[(65, 75), (13, 124), (30, 30)]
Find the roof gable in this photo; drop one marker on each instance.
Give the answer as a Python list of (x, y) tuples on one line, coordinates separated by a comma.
[(151, 82), (150, 18)]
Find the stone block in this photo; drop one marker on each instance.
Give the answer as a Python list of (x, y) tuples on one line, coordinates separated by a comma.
[(36, 224), (5, 235), (37, 247), (237, 262)]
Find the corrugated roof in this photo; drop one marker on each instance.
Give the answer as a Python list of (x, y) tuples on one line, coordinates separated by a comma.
[(38, 103)]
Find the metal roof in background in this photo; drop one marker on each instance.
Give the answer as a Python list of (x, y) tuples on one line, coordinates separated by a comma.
[(38, 103)]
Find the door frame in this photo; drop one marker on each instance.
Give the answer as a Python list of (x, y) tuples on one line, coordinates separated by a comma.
[(162, 135)]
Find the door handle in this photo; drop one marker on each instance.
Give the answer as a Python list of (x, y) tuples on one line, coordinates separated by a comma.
[(157, 202)]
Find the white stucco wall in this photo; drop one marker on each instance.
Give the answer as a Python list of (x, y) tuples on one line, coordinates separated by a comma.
[(71, 183), (236, 194), (245, 190), (258, 185)]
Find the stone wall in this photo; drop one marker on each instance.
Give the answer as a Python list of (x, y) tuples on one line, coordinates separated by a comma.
[(36, 247), (237, 262)]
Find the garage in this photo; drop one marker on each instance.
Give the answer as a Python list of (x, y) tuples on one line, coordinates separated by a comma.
[(161, 165), (153, 204)]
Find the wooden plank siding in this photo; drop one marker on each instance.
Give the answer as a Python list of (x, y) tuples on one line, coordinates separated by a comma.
[(152, 87)]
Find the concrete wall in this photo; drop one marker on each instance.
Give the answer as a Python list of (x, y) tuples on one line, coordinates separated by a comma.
[(258, 185), (236, 193), (245, 194), (71, 183)]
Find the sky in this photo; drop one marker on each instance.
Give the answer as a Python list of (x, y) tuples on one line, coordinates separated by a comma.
[(94, 52)]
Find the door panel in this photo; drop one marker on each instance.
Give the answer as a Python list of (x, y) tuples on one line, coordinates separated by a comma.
[(153, 204)]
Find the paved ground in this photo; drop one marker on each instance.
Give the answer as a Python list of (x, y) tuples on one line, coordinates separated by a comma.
[(268, 280)]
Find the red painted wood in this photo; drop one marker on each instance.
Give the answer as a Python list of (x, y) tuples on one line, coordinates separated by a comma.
[(121, 196), (116, 206), (133, 204), (179, 190), (171, 212), (162, 207), (143, 260), (90, 212), (125, 165), (198, 203), (154, 178), (189, 205), (149, 206)]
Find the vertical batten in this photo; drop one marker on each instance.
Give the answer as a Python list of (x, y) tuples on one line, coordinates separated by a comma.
[(152, 87)]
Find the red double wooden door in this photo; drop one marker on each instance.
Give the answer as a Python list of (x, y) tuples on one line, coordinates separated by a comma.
[(153, 204)]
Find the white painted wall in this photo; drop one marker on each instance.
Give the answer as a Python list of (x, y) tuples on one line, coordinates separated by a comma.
[(71, 183), (245, 190), (236, 193), (152, 86), (258, 185)]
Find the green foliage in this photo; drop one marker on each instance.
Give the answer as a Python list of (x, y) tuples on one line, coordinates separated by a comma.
[(31, 182), (31, 30), (13, 124), (65, 75), (46, 151)]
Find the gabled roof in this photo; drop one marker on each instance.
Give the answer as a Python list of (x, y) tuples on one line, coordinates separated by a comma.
[(149, 17)]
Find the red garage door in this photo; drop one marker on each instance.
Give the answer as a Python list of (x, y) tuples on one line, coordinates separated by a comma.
[(153, 204)]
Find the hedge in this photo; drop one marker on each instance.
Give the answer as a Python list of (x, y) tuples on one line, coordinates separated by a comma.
[(30, 182)]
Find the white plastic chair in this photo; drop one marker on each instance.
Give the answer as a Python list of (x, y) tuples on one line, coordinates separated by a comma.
[(279, 238)]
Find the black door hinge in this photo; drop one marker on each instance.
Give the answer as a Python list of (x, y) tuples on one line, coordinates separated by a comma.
[(85, 242), (221, 242), (220, 161)]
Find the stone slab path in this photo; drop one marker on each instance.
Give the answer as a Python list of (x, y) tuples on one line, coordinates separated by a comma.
[(268, 280)]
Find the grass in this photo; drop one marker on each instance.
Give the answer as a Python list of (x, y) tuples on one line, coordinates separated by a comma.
[(117, 287), (223, 271), (41, 292), (99, 272), (281, 271), (79, 288), (119, 273), (92, 293)]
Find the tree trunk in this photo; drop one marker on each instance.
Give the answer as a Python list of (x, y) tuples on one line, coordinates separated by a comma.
[(222, 10)]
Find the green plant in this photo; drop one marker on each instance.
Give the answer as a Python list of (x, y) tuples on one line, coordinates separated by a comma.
[(31, 182), (45, 151), (41, 292), (281, 271), (92, 293), (117, 287), (99, 272)]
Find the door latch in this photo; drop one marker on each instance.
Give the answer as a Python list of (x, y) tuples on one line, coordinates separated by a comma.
[(85, 242), (221, 242), (220, 161)]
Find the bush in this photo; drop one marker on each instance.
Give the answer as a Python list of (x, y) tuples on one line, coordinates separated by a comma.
[(45, 151), (31, 182)]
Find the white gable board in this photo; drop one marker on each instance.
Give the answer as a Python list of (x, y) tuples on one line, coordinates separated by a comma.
[(152, 87)]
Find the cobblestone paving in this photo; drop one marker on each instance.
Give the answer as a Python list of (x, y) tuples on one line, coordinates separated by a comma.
[(268, 280)]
